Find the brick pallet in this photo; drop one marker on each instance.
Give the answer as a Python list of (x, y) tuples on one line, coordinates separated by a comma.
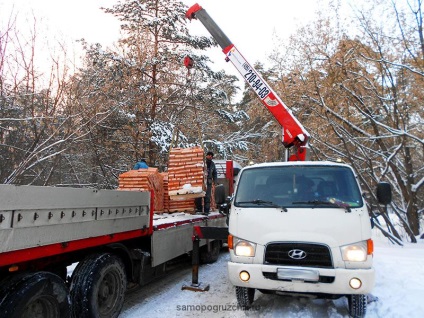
[(185, 167), (144, 180)]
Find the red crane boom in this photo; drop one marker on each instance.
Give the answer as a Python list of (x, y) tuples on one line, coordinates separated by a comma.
[(294, 134)]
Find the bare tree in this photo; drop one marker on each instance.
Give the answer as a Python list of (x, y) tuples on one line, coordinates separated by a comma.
[(363, 96), (38, 125)]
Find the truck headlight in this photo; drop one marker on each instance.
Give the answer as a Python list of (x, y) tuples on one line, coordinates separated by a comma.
[(244, 248), (356, 252)]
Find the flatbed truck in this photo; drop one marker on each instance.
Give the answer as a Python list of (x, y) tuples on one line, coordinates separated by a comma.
[(114, 236)]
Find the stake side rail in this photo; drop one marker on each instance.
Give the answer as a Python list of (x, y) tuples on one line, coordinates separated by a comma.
[(38, 222)]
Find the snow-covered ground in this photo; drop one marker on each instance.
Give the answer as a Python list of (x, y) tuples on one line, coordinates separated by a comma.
[(399, 289)]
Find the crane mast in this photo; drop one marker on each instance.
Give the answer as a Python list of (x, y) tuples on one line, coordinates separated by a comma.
[(294, 134)]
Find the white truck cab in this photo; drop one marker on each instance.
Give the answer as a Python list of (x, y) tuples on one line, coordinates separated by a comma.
[(300, 228)]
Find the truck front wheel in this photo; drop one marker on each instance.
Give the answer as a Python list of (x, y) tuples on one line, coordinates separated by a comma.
[(357, 305), (98, 287), (245, 296), (35, 295)]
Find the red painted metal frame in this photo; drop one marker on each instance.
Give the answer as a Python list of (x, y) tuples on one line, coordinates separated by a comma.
[(28, 254), (192, 11), (229, 174)]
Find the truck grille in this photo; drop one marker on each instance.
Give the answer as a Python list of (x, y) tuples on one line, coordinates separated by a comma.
[(316, 255)]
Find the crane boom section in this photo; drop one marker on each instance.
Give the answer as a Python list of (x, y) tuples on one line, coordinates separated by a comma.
[(294, 134)]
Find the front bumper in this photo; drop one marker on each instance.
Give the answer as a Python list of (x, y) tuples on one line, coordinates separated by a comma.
[(330, 281)]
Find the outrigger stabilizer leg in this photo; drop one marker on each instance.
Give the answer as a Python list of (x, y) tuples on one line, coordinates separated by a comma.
[(202, 232), (195, 261)]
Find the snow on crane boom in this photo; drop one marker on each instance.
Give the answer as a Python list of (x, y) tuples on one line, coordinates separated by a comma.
[(294, 134)]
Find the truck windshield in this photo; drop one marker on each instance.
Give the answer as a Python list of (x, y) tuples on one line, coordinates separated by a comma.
[(299, 186)]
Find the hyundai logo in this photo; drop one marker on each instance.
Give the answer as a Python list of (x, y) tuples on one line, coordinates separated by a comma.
[(297, 254)]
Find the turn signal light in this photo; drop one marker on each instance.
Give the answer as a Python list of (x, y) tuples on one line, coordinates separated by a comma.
[(13, 268), (230, 241), (370, 247)]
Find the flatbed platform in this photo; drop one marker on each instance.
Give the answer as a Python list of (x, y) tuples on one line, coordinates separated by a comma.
[(166, 220), (178, 226), (37, 222)]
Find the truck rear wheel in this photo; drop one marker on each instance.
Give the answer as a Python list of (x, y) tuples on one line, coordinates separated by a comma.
[(245, 296), (211, 255), (357, 305), (35, 295), (98, 287)]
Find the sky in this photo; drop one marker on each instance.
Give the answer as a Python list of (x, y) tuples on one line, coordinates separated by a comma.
[(250, 25), (68, 19), (398, 291)]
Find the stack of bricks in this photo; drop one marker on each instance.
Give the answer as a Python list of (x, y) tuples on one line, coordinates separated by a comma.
[(166, 199), (185, 167), (145, 180)]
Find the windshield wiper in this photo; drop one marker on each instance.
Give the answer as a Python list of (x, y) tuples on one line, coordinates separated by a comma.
[(337, 204), (263, 202)]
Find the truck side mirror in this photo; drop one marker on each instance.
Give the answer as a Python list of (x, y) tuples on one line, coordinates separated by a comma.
[(228, 199), (384, 193), (224, 208)]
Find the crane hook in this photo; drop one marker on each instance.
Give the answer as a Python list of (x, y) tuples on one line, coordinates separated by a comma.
[(188, 62)]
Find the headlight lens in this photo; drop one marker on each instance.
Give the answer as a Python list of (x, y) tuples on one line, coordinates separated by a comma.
[(356, 252), (244, 248)]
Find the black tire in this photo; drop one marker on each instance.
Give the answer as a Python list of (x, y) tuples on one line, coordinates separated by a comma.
[(35, 295), (245, 297), (98, 287), (357, 305), (211, 256), (219, 194)]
